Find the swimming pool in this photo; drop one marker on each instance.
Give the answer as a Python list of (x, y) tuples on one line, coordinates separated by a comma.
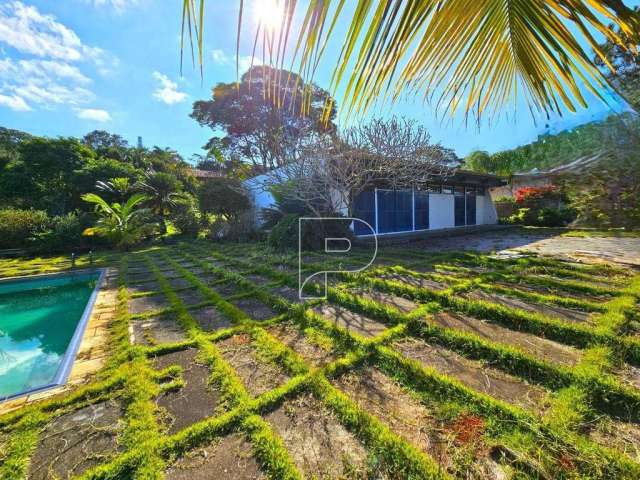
[(42, 320)]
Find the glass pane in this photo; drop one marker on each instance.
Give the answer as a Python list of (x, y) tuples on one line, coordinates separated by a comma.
[(459, 210), (421, 211), (364, 208), (471, 209), (386, 211), (404, 211)]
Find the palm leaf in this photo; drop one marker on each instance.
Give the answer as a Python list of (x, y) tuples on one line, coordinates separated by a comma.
[(469, 55)]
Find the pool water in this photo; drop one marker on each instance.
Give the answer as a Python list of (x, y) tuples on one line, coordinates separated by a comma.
[(38, 319)]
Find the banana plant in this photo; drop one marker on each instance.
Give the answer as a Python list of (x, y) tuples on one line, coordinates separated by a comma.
[(123, 225)]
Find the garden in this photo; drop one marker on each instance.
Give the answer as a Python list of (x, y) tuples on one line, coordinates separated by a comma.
[(426, 365)]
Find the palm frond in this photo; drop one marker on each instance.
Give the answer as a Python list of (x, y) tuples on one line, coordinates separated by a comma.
[(475, 56)]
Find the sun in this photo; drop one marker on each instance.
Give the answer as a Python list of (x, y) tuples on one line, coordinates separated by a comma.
[(269, 13)]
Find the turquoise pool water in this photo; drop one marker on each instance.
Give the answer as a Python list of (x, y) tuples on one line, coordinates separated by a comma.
[(38, 320)]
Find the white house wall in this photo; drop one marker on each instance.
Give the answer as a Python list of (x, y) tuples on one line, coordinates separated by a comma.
[(441, 211)]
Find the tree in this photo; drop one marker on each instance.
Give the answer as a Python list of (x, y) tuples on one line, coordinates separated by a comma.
[(106, 144), (472, 56), (261, 131), (162, 192), (479, 161), (122, 225), (397, 153), (223, 196)]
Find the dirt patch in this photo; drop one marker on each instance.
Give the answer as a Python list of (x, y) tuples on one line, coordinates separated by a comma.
[(630, 374), (227, 289), (552, 311), (353, 322), (259, 280), (288, 293), (313, 353), (318, 444), (192, 296), (404, 305), (140, 287), (155, 330), (416, 282), (547, 290), (377, 394), (195, 401), (536, 346), (259, 376), (229, 457), (255, 309), (623, 436), (474, 374), (210, 319), (180, 283), (148, 304), (77, 441)]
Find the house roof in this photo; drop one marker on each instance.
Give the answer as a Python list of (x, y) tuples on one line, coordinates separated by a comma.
[(575, 167), (473, 178), (204, 173)]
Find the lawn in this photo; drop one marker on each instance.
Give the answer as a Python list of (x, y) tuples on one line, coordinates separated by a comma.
[(428, 364)]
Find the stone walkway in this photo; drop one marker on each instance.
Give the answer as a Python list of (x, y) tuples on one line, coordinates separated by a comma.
[(590, 249)]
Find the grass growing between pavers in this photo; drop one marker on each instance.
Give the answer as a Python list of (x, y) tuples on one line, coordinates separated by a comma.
[(482, 433)]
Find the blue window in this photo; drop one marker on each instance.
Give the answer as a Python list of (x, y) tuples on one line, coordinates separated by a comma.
[(459, 207), (471, 206), (364, 207), (395, 211), (421, 210)]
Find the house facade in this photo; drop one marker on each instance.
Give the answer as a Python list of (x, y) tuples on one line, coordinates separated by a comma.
[(458, 200)]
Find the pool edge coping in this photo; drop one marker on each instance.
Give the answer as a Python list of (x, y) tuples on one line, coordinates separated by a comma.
[(64, 371)]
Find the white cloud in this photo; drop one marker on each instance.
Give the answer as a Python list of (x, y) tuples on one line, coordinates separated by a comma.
[(245, 62), (167, 92), (27, 30), (93, 114), (118, 6), (14, 103), (44, 82), (49, 75)]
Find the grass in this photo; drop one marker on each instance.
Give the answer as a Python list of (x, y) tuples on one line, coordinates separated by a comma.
[(554, 442)]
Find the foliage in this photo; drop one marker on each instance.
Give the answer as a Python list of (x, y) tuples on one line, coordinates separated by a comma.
[(52, 174), (19, 227), (224, 197), (64, 233), (627, 64), (286, 233), (540, 195), (186, 216), (122, 225), (542, 217), (162, 193), (608, 196), (478, 57), (257, 130)]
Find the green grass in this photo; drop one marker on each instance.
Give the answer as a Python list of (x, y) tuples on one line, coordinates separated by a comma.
[(552, 443)]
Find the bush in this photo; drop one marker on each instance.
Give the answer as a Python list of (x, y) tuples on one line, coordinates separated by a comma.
[(63, 234), (545, 217), (186, 216), (223, 196), (18, 227), (285, 234)]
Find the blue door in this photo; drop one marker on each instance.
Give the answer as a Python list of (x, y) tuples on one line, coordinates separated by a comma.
[(459, 206), (395, 211), (471, 206)]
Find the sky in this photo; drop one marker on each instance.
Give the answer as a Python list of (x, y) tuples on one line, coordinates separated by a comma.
[(73, 66)]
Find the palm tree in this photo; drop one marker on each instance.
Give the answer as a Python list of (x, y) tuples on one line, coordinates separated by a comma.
[(123, 225), (163, 194), (476, 56)]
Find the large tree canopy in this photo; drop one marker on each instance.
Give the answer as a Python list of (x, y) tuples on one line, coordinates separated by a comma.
[(472, 56), (262, 121)]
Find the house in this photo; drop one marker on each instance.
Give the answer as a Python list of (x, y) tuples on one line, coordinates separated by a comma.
[(458, 200)]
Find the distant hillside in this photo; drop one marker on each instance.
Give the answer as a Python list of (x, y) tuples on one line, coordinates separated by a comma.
[(548, 151)]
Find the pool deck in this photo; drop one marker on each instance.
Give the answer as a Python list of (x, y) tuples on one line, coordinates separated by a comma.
[(93, 347)]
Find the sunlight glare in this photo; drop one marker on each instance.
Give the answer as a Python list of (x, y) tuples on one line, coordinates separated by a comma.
[(269, 13)]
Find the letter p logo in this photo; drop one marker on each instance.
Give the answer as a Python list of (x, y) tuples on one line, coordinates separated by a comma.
[(314, 267)]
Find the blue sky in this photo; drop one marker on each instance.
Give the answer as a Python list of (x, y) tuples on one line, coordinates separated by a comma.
[(69, 67)]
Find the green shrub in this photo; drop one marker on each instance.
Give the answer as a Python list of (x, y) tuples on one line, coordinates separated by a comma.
[(186, 216), (18, 227), (285, 233), (64, 233), (545, 217)]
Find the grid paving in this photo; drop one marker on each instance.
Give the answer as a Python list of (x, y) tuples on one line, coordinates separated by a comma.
[(426, 365)]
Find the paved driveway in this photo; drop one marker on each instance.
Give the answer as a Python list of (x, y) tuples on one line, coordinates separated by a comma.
[(610, 249)]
